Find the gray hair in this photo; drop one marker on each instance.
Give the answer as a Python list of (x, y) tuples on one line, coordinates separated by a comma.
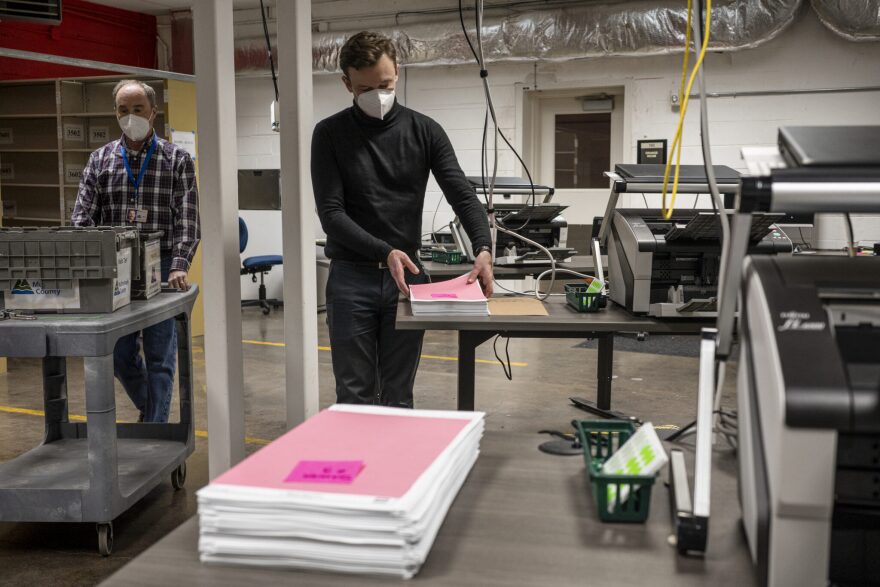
[(148, 90)]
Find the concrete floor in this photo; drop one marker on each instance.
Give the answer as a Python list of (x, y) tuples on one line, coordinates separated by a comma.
[(657, 387)]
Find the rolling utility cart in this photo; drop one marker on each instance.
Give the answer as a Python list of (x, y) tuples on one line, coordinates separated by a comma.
[(94, 471)]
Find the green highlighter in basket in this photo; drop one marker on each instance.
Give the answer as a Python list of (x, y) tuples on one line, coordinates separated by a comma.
[(621, 464), (440, 255), (587, 296), (642, 454)]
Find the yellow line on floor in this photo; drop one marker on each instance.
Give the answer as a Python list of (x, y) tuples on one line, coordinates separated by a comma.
[(432, 357), (76, 418)]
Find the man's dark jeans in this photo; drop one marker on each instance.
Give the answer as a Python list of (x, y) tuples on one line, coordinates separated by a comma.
[(373, 362), (150, 384)]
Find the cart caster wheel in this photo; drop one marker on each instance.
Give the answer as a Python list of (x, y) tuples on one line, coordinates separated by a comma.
[(266, 311), (105, 539), (178, 476)]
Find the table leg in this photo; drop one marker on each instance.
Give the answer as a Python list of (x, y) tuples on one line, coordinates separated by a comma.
[(605, 371), (185, 378), (100, 498), (54, 397), (468, 341)]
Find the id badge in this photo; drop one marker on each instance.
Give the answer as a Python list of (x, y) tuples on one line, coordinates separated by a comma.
[(138, 215)]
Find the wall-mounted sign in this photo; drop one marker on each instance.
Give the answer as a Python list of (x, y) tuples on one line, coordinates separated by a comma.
[(652, 151)]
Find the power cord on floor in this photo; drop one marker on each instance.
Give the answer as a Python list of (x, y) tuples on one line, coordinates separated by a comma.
[(506, 367)]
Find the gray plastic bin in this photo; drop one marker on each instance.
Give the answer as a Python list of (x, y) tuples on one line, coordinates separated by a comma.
[(59, 264), (94, 471)]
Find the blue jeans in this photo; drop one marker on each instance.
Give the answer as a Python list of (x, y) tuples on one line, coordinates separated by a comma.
[(373, 362), (150, 385)]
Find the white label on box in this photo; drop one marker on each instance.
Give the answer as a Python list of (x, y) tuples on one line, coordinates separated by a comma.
[(122, 283), (31, 295), (151, 271), (73, 172), (98, 135), (9, 209), (5, 136), (7, 170), (74, 132)]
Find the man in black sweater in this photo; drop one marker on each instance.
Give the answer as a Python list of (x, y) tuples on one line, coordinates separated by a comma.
[(370, 166)]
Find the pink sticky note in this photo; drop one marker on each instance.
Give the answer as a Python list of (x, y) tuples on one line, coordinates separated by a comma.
[(446, 296), (325, 472)]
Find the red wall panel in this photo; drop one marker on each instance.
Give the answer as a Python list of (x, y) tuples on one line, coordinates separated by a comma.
[(87, 31)]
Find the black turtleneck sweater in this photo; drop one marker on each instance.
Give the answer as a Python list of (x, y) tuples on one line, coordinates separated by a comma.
[(369, 178)]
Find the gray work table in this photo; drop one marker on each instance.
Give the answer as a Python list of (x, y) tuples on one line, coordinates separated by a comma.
[(562, 322), (93, 471), (522, 518)]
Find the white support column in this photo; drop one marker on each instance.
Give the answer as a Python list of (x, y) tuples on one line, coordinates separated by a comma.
[(218, 189), (298, 209)]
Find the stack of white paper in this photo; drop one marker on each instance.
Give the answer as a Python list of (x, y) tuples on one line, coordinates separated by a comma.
[(355, 489), (455, 297)]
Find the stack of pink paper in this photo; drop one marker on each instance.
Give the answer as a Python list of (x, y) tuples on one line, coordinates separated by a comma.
[(355, 489), (453, 297)]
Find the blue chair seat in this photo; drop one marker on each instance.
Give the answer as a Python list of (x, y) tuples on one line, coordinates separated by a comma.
[(262, 261)]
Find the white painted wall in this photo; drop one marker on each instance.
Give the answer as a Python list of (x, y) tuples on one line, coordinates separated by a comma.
[(805, 56)]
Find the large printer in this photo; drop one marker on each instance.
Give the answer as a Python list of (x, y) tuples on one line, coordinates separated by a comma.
[(541, 222), (809, 418), (808, 386), (670, 268)]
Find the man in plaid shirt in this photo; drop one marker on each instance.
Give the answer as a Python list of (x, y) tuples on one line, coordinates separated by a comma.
[(141, 180)]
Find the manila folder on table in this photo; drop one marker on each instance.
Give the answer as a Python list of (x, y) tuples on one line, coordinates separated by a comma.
[(517, 306)]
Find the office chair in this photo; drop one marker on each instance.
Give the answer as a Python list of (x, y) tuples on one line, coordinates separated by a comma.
[(253, 265)]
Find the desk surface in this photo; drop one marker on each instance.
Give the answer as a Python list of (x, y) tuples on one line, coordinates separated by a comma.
[(523, 518), (562, 318)]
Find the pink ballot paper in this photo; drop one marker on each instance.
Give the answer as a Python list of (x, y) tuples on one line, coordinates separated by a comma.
[(383, 452), (457, 289)]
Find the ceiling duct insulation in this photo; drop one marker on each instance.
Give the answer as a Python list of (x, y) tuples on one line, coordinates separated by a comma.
[(620, 29), (854, 20)]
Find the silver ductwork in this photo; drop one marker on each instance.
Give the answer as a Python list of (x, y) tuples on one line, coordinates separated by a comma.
[(620, 29), (854, 20)]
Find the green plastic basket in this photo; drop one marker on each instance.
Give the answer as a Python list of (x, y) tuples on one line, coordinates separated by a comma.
[(600, 439), (446, 257), (581, 300)]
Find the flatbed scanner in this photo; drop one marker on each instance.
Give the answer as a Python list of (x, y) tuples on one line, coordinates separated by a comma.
[(670, 268)]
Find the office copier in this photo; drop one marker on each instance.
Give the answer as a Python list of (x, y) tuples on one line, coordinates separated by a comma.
[(670, 268)]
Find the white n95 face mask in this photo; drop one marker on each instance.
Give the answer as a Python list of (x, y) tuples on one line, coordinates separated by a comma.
[(135, 127), (376, 103)]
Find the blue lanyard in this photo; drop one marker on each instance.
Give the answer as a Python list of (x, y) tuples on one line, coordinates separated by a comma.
[(136, 182)]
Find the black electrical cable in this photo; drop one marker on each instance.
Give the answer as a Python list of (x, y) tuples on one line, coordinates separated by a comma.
[(490, 110), (269, 48), (506, 367), (851, 234)]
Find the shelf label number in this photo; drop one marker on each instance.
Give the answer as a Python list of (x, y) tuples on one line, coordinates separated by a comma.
[(73, 133)]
